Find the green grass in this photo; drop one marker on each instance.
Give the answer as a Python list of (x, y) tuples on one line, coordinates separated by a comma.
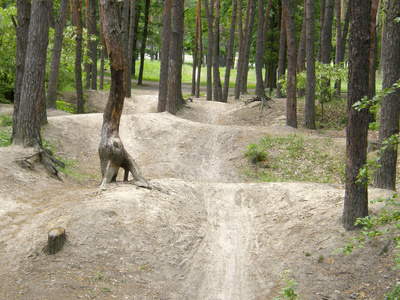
[(295, 158), (5, 130)]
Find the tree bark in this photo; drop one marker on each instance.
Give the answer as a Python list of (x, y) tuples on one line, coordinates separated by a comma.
[(164, 57), (248, 33), (326, 38), (87, 64), (217, 88), (309, 112), (321, 26), (301, 54), (196, 47), (112, 153), (76, 8), (93, 43), (102, 57), (210, 47), (23, 18), (291, 100), (143, 43), (260, 90), (28, 116), (390, 111), (356, 195), (342, 45), (174, 96), (282, 54), (373, 52), (230, 58), (241, 51), (199, 60), (56, 54), (131, 41)]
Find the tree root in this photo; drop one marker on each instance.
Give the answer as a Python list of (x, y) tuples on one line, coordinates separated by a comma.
[(264, 101), (44, 156)]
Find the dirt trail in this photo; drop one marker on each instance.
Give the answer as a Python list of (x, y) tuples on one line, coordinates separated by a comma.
[(202, 232)]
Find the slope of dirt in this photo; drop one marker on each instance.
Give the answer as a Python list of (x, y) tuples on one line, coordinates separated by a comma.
[(202, 232)]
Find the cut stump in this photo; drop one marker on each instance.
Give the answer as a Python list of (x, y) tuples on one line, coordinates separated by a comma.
[(56, 240)]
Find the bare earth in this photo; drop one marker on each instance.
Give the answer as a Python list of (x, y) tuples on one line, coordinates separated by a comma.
[(203, 232)]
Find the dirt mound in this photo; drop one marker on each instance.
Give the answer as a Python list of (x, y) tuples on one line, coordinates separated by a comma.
[(202, 232)]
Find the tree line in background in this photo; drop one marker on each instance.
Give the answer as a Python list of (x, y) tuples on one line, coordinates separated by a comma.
[(285, 40)]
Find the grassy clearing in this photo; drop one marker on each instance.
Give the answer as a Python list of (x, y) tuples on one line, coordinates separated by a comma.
[(295, 158)]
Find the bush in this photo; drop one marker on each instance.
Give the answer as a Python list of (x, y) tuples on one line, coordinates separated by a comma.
[(256, 154)]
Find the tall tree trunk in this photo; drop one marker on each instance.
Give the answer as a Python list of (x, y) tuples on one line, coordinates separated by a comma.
[(93, 42), (241, 51), (112, 153), (102, 57), (247, 44), (32, 97), (76, 11), (196, 46), (301, 54), (390, 112), (282, 54), (260, 90), (56, 54), (309, 112), (342, 45), (217, 89), (210, 46), (200, 60), (356, 195), (143, 44), (131, 41), (23, 18), (174, 96), (230, 58), (373, 52), (87, 64), (291, 101), (164, 57), (321, 26), (326, 38), (125, 24)]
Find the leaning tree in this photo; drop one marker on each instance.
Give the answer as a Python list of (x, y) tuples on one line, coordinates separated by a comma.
[(112, 153)]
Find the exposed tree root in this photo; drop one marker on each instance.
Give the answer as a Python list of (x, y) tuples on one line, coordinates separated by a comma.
[(261, 99)]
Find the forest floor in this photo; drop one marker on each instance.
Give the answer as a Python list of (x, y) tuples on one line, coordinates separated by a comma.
[(204, 230)]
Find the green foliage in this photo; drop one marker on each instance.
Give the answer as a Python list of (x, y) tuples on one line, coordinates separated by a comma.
[(394, 294), (385, 224), (256, 153), (368, 170), (295, 158), (67, 107), (8, 41), (5, 130), (289, 291)]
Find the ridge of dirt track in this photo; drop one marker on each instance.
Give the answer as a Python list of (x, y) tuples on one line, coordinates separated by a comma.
[(202, 232)]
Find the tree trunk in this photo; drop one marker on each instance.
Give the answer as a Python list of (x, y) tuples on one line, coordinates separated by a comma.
[(260, 89), (342, 45), (390, 111), (373, 52), (23, 18), (248, 33), (76, 7), (356, 195), (196, 46), (112, 153), (309, 112), (102, 56), (210, 46), (326, 38), (131, 41), (56, 54), (164, 57), (291, 101), (87, 64), (93, 43), (282, 54), (174, 96), (217, 88), (321, 26), (241, 51), (28, 116), (301, 55), (230, 58), (143, 44), (125, 24), (200, 60)]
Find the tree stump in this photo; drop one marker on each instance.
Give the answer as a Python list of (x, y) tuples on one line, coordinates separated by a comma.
[(56, 240)]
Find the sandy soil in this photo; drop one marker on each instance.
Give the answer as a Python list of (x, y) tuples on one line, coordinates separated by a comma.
[(203, 231)]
